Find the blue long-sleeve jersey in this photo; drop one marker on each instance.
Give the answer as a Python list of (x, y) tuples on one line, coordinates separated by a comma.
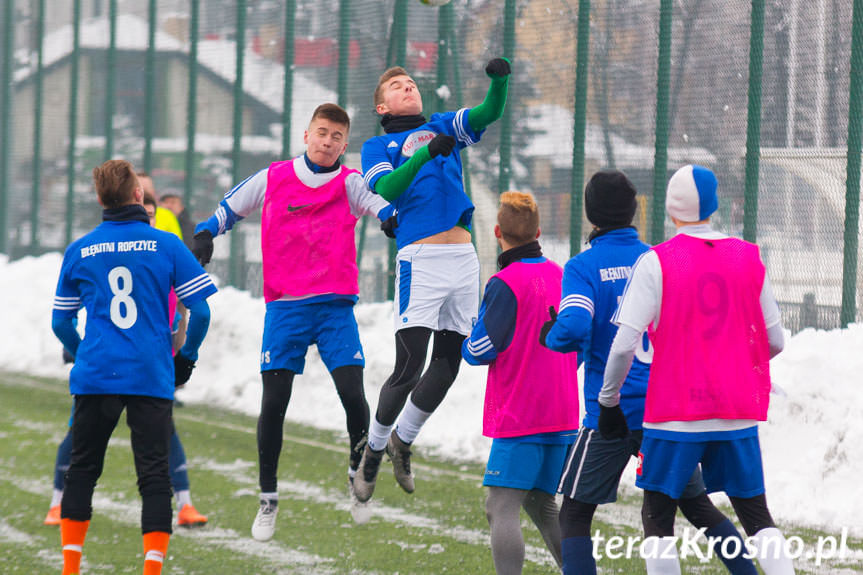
[(593, 283)]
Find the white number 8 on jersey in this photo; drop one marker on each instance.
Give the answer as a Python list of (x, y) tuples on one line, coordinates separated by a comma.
[(122, 298)]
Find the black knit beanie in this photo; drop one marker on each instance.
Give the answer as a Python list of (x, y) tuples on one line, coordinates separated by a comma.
[(609, 199)]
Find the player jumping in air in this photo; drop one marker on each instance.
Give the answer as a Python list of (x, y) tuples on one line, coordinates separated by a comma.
[(310, 206), (437, 284)]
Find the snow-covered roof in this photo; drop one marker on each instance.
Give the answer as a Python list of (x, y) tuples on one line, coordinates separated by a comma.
[(552, 128), (132, 35), (263, 79)]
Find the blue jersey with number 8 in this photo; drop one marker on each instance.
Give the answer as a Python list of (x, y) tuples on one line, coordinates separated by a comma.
[(122, 273)]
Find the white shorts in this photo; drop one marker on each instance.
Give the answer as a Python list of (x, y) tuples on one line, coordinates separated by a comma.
[(437, 286)]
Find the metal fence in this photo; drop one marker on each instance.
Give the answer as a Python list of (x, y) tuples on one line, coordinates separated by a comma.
[(203, 93)]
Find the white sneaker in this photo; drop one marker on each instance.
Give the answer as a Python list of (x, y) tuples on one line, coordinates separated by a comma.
[(265, 521), (361, 511)]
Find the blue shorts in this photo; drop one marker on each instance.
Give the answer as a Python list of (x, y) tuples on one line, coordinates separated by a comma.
[(594, 466), (291, 327), (732, 465), (525, 465)]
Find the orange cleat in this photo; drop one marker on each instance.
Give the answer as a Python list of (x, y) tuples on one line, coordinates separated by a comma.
[(188, 517), (53, 517)]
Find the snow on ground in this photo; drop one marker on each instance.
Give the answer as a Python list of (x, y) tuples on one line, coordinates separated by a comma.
[(810, 442)]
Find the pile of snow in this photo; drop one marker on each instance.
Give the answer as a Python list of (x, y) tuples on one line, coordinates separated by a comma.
[(809, 442)]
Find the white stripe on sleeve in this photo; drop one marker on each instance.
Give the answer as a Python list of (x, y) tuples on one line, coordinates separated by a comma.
[(577, 300), (375, 170), (458, 126), (193, 286)]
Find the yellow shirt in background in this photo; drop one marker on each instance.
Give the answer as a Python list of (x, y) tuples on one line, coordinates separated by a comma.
[(167, 222)]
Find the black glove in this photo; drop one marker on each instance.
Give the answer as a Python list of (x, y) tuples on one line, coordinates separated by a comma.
[(546, 327), (612, 422), (498, 68), (442, 145), (203, 247), (388, 226), (183, 367)]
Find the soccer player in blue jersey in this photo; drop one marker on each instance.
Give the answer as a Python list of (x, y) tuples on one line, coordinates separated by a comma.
[(593, 283), (437, 285), (187, 515), (310, 206), (122, 273)]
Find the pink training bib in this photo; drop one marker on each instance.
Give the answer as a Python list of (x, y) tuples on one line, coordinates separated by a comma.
[(307, 236), (530, 388), (711, 356)]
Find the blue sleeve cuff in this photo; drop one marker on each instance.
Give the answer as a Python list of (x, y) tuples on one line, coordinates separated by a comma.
[(221, 221), (571, 331), (386, 212), (199, 323), (478, 349), (64, 329)]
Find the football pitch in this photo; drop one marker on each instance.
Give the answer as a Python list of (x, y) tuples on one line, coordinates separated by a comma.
[(440, 529)]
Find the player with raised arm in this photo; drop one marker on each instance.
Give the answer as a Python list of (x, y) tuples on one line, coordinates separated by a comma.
[(122, 273), (437, 284), (531, 397), (593, 282), (714, 326), (310, 207)]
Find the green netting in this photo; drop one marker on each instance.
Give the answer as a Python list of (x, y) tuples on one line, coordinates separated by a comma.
[(803, 131)]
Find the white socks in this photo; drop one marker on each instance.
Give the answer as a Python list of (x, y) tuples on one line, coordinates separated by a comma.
[(56, 497), (660, 556), (407, 427), (184, 497), (273, 496), (772, 552), (378, 435), (410, 422)]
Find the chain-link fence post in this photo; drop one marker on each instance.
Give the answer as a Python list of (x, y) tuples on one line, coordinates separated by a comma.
[(110, 75), (505, 168), (753, 122), (73, 118), (36, 191), (852, 191), (191, 104), (660, 156), (235, 266), (582, 59), (6, 122), (150, 89)]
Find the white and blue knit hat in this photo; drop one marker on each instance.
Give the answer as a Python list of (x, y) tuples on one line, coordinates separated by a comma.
[(691, 194)]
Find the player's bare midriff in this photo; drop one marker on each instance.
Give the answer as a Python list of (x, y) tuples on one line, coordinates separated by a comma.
[(454, 235)]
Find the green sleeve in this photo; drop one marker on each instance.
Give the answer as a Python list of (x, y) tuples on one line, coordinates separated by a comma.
[(491, 108), (391, 186)]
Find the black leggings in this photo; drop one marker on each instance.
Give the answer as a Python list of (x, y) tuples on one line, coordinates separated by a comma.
[(658, 512), (577, 516), (149, 420), (428, 390), (278, 385)]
